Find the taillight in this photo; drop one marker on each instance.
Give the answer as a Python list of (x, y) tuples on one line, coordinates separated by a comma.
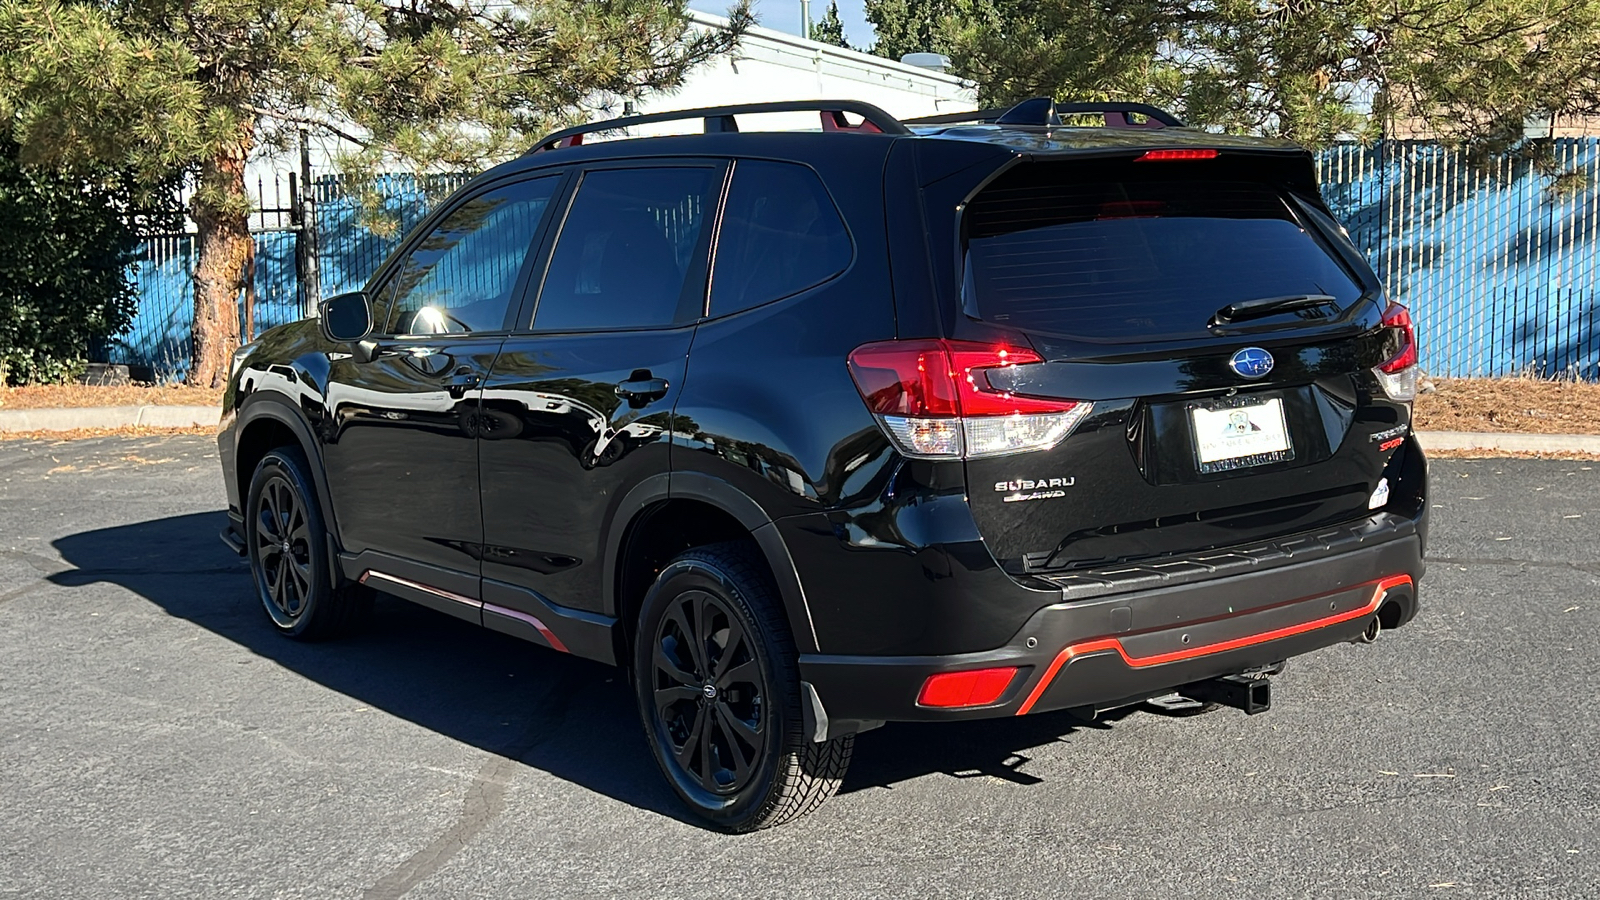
[(980, 687), (1398, 376), (934, 400)]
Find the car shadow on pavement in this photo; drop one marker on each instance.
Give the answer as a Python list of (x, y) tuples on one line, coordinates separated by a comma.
[(985, 748), (572, 718)]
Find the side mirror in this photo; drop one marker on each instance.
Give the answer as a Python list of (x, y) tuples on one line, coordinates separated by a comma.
[(346, 317)]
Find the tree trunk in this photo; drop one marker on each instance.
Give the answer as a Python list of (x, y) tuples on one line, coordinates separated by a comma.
[(221, 212)]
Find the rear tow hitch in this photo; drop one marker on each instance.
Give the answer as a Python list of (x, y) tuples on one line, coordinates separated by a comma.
[(1253, 694)]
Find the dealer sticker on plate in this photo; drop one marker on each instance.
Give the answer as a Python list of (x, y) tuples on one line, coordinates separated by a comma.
[(1232, 435)]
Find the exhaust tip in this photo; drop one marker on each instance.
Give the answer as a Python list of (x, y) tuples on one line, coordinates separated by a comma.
[(1374, 628)]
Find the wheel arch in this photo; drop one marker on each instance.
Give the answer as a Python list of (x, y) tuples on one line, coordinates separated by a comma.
[(712, 510), (265, 424)]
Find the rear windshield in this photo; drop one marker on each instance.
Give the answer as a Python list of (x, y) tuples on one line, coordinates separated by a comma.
[(1115, 252)]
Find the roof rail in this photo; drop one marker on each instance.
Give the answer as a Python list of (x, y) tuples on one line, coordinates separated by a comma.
[(1045, 111), (720, 119)]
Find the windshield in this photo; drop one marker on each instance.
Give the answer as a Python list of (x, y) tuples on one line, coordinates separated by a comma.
[(1114, 251)]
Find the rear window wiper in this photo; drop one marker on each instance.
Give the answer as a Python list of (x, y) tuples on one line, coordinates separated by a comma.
[(1268, 306)]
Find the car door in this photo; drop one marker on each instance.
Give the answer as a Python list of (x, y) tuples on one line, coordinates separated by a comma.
[(402, 457), (582, 399)]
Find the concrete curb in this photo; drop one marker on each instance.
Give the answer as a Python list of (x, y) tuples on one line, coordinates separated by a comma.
[(108, 417), (1536, 443)]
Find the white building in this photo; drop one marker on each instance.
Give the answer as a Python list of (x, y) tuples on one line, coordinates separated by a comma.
[(773, 65)]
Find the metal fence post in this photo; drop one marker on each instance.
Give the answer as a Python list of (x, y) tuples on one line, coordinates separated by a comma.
[(306, 248)]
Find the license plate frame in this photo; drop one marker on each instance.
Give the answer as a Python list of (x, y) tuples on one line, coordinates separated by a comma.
[(1219, 441)]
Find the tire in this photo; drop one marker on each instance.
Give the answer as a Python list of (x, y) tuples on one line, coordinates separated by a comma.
[(746, 711), (287, 545)]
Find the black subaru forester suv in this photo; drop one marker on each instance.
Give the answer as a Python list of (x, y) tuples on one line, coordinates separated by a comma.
[(983, 415)]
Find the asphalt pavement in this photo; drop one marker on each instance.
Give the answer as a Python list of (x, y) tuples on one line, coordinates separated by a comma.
[(158, 740)]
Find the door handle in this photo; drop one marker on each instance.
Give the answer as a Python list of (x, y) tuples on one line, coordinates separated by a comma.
[(640, 388)]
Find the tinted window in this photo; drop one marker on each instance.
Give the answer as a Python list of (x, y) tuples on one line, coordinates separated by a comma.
[(627, 251), (1138, 256), (780, 235), (460, 277)]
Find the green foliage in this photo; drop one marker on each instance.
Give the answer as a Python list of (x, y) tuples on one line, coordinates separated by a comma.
[(830, 30), (1470, 71), (64, 254), (195, 86), (439, 85), (1015, 49), (912, 26)]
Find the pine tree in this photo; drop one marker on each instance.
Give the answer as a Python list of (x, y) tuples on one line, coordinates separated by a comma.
[(1314, 71), (196, 86), (831, 29), (911, 26)]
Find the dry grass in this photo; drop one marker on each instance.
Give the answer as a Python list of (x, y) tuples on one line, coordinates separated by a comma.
[(80, 433), (1481, 453), (53, 396), (1526, 405)]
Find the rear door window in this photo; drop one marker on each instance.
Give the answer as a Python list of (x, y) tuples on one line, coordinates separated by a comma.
[(631, 253), (780, 235), (1109, 252)]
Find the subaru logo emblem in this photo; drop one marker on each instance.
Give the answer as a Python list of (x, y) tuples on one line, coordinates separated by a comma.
[(1251, 362)]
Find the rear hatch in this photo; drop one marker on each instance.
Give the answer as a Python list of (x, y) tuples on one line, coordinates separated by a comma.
[(1224, 334)]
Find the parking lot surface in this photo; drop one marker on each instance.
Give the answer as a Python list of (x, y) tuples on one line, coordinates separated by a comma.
[(158, 740)]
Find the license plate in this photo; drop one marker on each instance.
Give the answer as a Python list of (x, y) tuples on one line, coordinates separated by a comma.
[(1239, 432)]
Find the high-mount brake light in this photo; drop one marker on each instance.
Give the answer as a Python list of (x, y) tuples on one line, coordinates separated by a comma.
[(935, 401), (1192, 153), (1398, 376)]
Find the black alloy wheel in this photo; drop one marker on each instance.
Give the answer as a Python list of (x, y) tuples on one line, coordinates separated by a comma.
[(717, 680), (710, 693), (288, 549), (283, 548)]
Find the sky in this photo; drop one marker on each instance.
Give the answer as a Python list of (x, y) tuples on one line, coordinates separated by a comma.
[(784, 15)]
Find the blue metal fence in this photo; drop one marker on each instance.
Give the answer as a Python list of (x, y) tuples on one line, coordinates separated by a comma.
[(349, 252), (1496, 261)]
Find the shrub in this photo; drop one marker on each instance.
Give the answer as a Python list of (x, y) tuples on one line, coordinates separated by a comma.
[(65, 247)]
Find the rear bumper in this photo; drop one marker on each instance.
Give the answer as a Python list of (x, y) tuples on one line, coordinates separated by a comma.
[(1112, 650)]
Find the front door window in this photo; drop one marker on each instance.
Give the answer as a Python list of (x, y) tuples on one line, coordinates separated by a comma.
[(460, 278)]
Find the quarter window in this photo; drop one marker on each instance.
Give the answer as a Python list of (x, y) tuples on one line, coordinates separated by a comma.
[(781, 234), (461, 276), (631, 252)]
